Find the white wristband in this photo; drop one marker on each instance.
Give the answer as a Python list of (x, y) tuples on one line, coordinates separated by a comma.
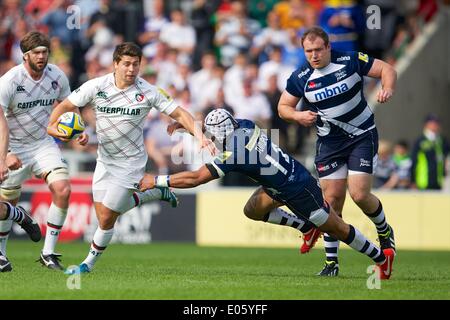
[(162, 181)]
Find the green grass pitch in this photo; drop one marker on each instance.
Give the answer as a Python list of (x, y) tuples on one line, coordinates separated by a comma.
[(189, 272)]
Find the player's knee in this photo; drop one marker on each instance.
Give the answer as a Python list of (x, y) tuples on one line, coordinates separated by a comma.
[(359, 196), (65, 191), (61, 191), (335, 201), (250, 212), (106, 222), (335, 226)]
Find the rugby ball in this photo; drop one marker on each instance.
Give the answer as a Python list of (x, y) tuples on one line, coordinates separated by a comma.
[(71, 124)]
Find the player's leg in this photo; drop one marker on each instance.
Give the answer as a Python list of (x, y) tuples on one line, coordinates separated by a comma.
[(48, 164), (311, 204), (102, 236), (360, 191), (10, 192), (109, 204), (58, 183), (6, 224), (361, 164), (262, 207), (5, 229), (357, 241), (334, 187), (18, 214)]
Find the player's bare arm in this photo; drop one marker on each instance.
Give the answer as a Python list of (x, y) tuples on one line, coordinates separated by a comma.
[(182, 180), (186, 120), (384, 71), (286, 111), (52, 129), (4, 142)]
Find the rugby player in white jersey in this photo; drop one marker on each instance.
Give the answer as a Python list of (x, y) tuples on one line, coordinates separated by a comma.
[(27, 95), (121, 101), (9, 161), (331, 84)]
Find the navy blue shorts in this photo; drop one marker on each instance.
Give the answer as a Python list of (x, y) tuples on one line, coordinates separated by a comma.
[(356, 153), (308, 201)]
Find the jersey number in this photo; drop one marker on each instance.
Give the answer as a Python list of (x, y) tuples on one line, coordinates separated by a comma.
[(274, 162)]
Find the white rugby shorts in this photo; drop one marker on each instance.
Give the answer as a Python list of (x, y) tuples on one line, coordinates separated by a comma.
[(40, 160)]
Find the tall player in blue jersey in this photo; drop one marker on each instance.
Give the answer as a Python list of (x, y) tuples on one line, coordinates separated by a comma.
[(245, 148), (331, 85)]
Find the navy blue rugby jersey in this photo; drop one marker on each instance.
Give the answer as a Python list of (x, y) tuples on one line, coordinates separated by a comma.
[(251, 152), (335, 92)]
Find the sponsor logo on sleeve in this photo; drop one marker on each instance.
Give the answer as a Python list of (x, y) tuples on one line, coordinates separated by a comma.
[(301, 74), (364, 57), (224, 156), (164, 93), (343, 58)]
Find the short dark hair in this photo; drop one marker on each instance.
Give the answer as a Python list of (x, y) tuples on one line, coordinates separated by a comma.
[(34, 39), (314, 32), (127, 49)]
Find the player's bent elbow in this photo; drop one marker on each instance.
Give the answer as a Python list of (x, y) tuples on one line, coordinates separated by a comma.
[(281, 111)]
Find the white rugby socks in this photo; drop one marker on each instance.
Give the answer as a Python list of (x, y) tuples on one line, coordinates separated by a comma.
[(5, 227), (55, 222), (99, 243), (281, 217)]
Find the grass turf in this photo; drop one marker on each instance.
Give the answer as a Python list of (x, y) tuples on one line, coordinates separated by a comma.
[(188, 272)]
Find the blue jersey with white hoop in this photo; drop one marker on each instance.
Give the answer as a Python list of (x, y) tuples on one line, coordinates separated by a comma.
[(250, 151), (335, 92)]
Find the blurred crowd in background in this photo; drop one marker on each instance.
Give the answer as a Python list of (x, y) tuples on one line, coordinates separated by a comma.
[(218, 53)]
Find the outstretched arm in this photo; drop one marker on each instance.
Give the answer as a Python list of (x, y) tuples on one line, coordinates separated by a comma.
[(186, 120), (384, 71), (182, 180)]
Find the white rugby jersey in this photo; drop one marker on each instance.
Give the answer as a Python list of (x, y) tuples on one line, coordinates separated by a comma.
[(120, 114), (27, 103)]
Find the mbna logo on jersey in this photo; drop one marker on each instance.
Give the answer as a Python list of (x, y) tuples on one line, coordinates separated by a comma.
[(55, 85), (139, 97), (329, 92)]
